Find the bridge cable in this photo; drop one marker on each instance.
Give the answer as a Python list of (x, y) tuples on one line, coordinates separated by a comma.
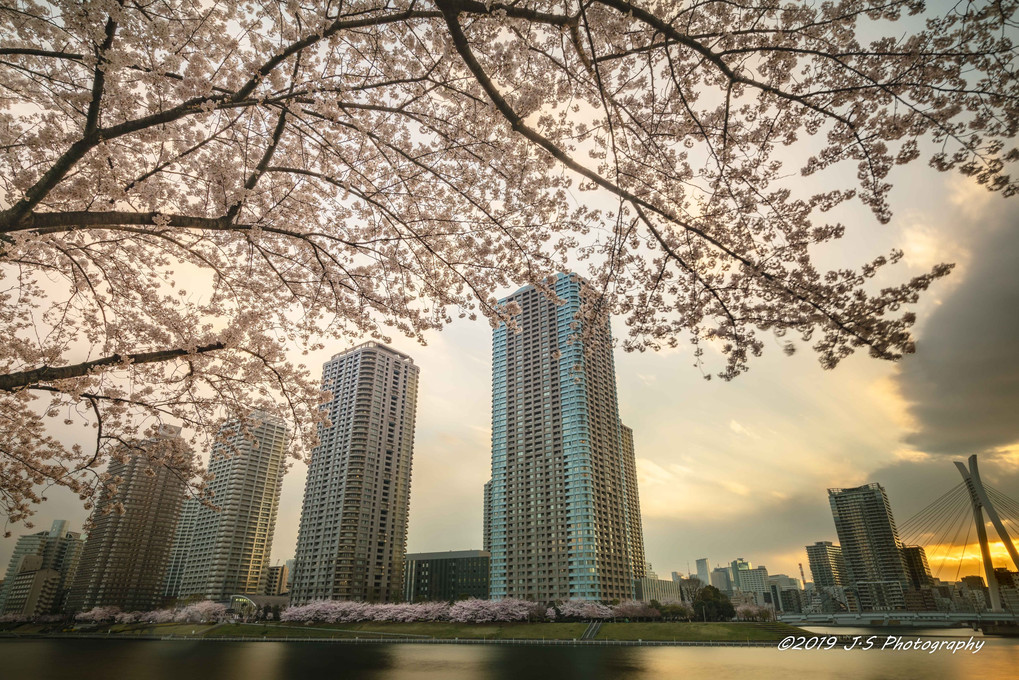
[(926, 520), (965, 545), (957, 520), (922, 523), (932, 508), (935, 535), (963, 519), (1002, 501)]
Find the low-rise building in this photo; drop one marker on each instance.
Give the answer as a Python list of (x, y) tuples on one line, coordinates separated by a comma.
[(647, 589), (447, 576)]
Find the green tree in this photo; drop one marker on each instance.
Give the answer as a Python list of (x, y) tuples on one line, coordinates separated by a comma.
[(711, 604)]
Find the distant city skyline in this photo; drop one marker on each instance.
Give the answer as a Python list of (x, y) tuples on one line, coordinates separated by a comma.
[(712, 454)]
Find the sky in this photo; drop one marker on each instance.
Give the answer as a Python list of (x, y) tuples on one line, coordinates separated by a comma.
[(741, 468)]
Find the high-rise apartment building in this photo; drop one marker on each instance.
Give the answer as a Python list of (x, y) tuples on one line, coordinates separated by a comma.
[(875, 568), (353, 535), (181, 546), (563, 510), (41, 569), (826, 565), (125, 557), (486, 521), (224, 551)]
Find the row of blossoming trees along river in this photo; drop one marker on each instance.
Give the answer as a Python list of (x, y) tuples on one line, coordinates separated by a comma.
[(463, 611)]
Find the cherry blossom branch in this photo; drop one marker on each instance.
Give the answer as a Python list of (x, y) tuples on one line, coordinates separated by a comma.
[(517, 125), (11, 382)]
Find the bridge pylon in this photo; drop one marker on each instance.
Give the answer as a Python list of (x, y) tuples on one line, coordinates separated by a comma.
[(980, 501)]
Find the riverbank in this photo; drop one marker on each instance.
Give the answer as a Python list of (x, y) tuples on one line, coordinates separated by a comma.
[(657, 633)]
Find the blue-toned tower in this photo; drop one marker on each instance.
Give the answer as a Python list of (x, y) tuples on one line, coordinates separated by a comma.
[(563, 513)]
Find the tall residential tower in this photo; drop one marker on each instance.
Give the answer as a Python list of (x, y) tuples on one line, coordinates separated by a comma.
[(563, 514), (125, 558), (875, 569), (224, 552), (353, 535)]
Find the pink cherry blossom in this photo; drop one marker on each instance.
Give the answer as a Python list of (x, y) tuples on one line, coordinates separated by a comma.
[(192, 195)]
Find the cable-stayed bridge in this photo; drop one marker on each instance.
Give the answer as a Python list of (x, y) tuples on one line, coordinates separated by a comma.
[(946, 527)]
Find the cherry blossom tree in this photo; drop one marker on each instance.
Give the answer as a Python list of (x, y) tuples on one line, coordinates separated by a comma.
[(205, 611), (633, 609), (157, 616), (584, 609), (98, 614), (485, 611), (193, 193)]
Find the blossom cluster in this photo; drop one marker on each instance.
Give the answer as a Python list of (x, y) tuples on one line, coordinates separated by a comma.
[(464, 611), (199, 612), (193, 205)]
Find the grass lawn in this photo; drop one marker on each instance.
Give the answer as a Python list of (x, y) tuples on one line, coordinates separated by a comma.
[(696, 632), (441, 630), (539, 631), (656, 631), (171, 628), (257, 630)]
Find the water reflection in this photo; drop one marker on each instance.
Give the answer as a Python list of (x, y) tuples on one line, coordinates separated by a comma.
[(128, 660)]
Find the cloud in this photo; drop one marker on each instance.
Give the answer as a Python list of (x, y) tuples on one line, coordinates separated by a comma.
[(773, 534), (962, 385)]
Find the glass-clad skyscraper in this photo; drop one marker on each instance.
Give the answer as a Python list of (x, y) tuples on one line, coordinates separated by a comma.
[(562, 510)]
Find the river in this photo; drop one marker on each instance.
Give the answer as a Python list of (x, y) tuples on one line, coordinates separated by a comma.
[(206, 660)]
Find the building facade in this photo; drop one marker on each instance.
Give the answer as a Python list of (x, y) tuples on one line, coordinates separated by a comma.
[(563, 509), (276, 581), (917, 568), (224, 551), (446, 576), (41, 569), (125, 558), (755, 582), (486, 518), (353, 534), (827, 567), (181, 546), (875, 568), (721, 578), (736, 569), (647, 589), (703, 571)]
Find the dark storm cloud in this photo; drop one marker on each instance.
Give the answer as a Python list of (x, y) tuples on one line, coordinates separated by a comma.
[(775, 533), (914, 485), (774, 528), (962, 385)]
